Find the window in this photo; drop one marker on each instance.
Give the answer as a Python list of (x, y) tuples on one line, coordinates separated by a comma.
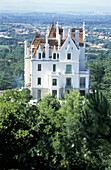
[(68, 69), (39, 67), (54, 82), (57, 56), (39, 55), (68, 81), (82, 82), (39, 81), (39, 94), (82, 92), (68, 56), (54, 67), (54, 93), (43, 55), (54, 55)]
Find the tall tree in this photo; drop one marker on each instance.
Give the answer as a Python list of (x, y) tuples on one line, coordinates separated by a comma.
[(96, 126)]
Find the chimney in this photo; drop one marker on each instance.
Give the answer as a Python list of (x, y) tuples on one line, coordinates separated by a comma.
[(77, 37), (64, 32), (48, 30), (46, 38), (59, 40), (69, 32), (47, 47), (57, 30)]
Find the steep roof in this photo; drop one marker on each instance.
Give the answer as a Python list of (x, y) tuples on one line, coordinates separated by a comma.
[(52, 30), (53, 42)]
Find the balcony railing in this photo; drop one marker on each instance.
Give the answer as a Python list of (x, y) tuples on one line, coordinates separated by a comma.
[(82, 85), (68, 87), (68, 72), (55, 73)]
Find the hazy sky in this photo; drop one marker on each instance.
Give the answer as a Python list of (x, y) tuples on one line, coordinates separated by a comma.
[(50, 5)]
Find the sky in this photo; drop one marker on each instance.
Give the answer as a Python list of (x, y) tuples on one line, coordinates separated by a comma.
[(53, 6)]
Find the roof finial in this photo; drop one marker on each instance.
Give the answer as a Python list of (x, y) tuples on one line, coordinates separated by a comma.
[(53, 21)]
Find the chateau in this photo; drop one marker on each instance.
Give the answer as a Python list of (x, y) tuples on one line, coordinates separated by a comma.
[(56, 64)]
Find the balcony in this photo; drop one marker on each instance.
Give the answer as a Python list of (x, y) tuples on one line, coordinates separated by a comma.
[(82, 86), (68, 72), (55, 73), (68, 87)]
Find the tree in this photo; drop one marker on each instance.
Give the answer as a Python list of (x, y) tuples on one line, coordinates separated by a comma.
[(54, 136), (97, 71), (96, 127), (6, 80), (15, 123), (100, 73)]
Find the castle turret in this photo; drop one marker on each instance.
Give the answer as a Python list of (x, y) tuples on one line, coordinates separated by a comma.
[(47, 47), (25, 47), (27, 65), (84, 39)]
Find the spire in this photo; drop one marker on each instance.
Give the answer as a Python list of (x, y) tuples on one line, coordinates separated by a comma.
[(52, 32), (52, 22)]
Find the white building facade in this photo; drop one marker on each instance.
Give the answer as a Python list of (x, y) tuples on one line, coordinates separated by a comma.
[(56, 64)]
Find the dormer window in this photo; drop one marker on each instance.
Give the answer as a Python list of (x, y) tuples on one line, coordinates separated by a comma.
[(57, 56), (68, 56), (43, 55), (39, 55), (54, 55)]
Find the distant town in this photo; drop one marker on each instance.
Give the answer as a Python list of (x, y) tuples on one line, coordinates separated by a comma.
[(16, 28)]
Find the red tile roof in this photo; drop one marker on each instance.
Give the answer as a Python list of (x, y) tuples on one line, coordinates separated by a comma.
[(53, 42)]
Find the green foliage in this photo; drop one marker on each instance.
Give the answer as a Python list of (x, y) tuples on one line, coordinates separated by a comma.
[(16, 119), (74, 135), (96, 126), (100, 73), (11, 67)]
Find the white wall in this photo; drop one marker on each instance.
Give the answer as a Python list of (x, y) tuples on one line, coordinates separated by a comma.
[(47, 75)]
